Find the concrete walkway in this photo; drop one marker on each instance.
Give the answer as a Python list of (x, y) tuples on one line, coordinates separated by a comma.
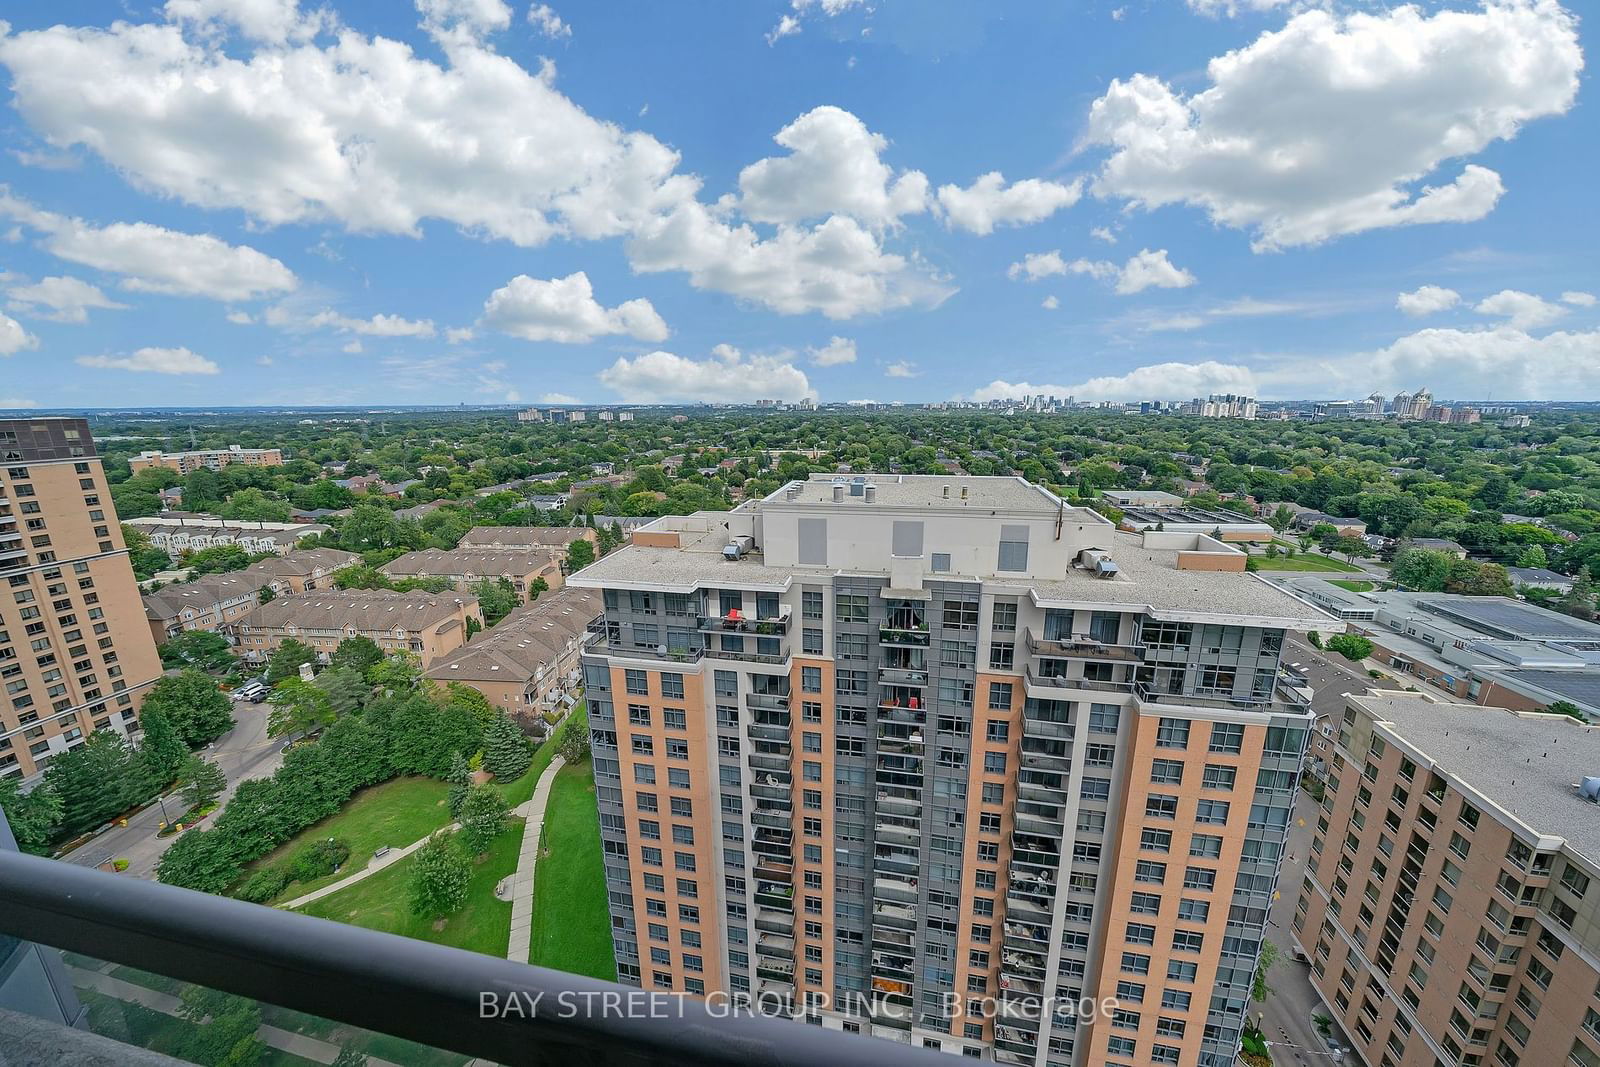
[(374, 865), (532, 814), (302, 1045)]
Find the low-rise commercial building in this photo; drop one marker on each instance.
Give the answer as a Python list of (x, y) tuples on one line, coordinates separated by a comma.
[(208, 458), (217, 602), (428, 625), (1451, 902), (529, 664), (464, 568), (1310, 520), (1225, 525)]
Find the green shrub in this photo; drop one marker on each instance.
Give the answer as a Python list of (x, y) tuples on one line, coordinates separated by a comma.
[(264, 885), (320, 859)]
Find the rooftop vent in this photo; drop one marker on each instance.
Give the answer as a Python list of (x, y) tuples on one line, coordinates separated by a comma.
[(838, 492), (870, 494), (1590, 789), (947, 492), (963, 492)]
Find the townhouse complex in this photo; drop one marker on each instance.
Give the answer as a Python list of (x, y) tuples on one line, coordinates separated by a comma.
[(464, 568), (935, 758), (179, 533), (75, 654), (212, 458), (217, 602), (526, 536), (1446, 907), (427, 625), (528, 665)]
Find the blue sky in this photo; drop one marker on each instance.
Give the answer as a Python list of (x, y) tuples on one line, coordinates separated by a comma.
[(254, 201)]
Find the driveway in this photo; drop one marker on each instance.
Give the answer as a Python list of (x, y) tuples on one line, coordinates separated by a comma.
[(243, 753)]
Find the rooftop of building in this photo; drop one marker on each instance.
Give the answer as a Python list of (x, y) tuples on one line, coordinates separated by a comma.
[(1537, 576), (926, 491), (1189, 516), (1526, 763), (470, 560), (512, 536), (527, 639), (363, 609)]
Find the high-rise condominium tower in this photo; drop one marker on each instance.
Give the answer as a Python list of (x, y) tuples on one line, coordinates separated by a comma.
[(935, 758), (75, 651)]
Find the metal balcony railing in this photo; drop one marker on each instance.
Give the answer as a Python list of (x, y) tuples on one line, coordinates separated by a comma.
[(395, 985)]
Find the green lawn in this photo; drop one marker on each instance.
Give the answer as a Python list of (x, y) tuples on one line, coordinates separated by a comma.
[(380, 902), (393, 813), (1304, 561), (571, 921), (1354, 587), (519, 791)]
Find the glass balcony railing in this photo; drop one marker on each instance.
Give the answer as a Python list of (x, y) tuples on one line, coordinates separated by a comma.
[(152, 959), (1082, 646), (904, 636)]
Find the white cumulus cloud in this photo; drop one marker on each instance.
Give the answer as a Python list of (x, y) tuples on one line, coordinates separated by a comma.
[(155, 361), (380, 325), (565, 310), (1050, 303), (1427, 300), (1521, 310), (833, 168), (1160, 381), (902, 369), (61, 299), (838, 350), (1578, 298), (13, 338), (154, 259), (989, 202), (543, 18), (558, 398), (726, 376), (1143, 271), (1327, 126)]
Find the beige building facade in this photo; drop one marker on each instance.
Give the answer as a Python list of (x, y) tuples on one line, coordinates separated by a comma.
[(1451, 903), (75, 653), (209, 458), (218, 602), (937, 758)]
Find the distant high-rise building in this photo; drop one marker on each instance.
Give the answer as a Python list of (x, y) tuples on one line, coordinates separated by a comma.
[(931, 758), (76, 654)]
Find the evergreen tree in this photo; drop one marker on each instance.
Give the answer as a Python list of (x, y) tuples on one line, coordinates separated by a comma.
[(286, 659), (298, 708), (161, 751), (95, 781), (483, 816), (505, 752), (346, 687), (460, 779), (1533, 556), (439, 877), (574, 744), (203, 781), (356, 653), (1579, 600), (32, 815), (579, 555)]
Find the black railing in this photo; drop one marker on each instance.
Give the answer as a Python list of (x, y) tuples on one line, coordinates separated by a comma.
[(399, 986)]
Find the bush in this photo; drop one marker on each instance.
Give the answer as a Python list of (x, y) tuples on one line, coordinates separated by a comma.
[(1351, 646), (321, 859), (1315, 639), (119, 865), (264, 885)]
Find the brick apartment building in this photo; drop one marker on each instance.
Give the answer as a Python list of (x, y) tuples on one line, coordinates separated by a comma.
[(208, 458)]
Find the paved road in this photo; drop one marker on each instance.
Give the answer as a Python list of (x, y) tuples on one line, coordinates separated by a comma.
[(1288, 1009), (242, 753)]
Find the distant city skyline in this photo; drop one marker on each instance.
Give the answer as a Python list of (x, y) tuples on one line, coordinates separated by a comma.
[(214, 202)]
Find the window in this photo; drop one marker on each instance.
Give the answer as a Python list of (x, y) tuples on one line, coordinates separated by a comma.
[(1211, 812), (1161, 806), (1145, 904), (811, 641), (811, 604), (672, 685), (961, 614), (1217, 777), (811, 679), (1172, 733), (1166, 772), (1188, 941), (1199, 878), (1103, 718), (939, 562), (1150, 872), (850, 607), (1000, 696), (1227, 737), (636, 681), (1005, 616), (1002, 655), (1013, 554), (1208, 846)]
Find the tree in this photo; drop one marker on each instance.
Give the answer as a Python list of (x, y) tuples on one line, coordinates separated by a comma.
[(145, 558), (1350, 547), (1351, 646), (483, 816), (203, 781), (32, 815), (298, 707), (350, 1056), (439, 877), (95, 781), (161, 751), (255, 505), (574, 744), (200, 649), (496, 599), (1269, 957), (1533, 556), (286, 659), (225, 1028), (580, 554), (265, 595), (505, 752), (535, 587), (1580, 599), (1421, 569), (1280, 518), (198, 711), (1567, 708), (356, 653), (396, 673), (460, 779), (347, 689), (218, 559)]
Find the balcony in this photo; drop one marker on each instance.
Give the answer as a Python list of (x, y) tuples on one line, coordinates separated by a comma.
[(896, 890), (895, 861), (899, 713), (776, 946), (898, 832), (1027, 933), (1082, 646), (767, 659), (1038, 680), (1292, 706), (775, 971), (768, 702), (773, 870), (774, 922), (902, 676), (407, 989), (898, 803), (893, 939), (775, 895), (904, 637), (773, 790), (909, 745), (775, 626), (1044, 825), (774, 762), (894, 916), (776, 820)]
